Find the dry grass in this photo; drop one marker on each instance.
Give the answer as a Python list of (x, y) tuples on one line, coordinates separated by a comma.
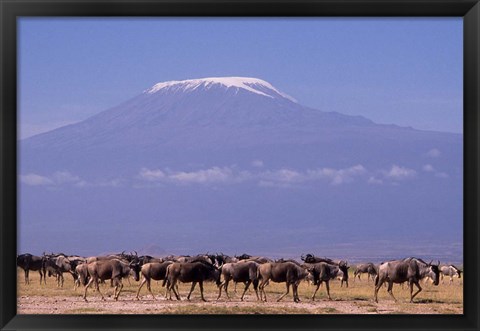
[(356, 299)]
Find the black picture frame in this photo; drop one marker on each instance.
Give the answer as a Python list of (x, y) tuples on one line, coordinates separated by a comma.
[(10, 10)]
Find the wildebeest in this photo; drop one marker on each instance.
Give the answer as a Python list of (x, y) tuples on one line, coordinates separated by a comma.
[(144, 259), (368, 268), (283, 272), (246, 272), (343, 266), (122, 256), (81, 272), (451, 271), (190, 272), (310, 258), (110, 269), (31, 262), (258, 259), (324, 272), (399, 271), (56, 265), (155, 271), (222, 259)]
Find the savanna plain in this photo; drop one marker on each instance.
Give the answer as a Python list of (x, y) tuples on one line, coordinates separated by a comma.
[(47, 298)]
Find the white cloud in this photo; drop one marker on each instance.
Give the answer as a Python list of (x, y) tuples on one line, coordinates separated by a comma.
[(202, 176), (211, 175), (434, 153), (35, 180), (65, 178), (337, 176), (257, 163), (282, 175), (400, 173), (151, 175)]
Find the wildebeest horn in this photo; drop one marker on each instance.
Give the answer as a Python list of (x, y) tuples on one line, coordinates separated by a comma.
[(136, 253), (430, 262), (438, 264)]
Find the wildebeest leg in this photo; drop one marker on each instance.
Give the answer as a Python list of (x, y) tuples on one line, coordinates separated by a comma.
[(97, 287), (224, 284), (246, 288), (201, 290), (378, 283), (262, 290), (191, 290), (288, 291), (166, 283), (172, 287), (255, 287), (40, 272), (327, 285), (115, 290), (389, 290), (295, 292), (86, 288), (140, 287), (27, 281), (315, 292), (119, 282), (411, 290), (149, 287), (262, 286)]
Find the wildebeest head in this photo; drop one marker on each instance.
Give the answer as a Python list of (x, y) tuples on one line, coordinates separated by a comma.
[(343, 266), (458, 271), (243, 257), (135, 268), (308, 258), (434, 272)]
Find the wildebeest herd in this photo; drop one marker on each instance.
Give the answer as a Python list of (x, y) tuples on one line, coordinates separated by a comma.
[(255, 271)]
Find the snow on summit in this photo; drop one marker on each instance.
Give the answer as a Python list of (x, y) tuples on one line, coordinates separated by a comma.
[(253, 85)]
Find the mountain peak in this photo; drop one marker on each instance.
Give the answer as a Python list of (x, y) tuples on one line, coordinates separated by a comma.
[(254, 85)]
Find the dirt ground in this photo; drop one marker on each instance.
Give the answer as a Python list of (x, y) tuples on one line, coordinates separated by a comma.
[(127, 305)]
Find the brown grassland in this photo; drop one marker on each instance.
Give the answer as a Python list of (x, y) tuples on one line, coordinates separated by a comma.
[(356, 299)]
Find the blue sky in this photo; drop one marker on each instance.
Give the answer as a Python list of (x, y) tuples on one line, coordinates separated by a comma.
[(392, 70)]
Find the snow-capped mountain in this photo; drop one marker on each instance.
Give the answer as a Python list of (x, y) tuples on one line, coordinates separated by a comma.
[(224, 151), (233, 105)]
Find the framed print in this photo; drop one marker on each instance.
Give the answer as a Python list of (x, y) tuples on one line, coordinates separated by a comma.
[(239, 165)]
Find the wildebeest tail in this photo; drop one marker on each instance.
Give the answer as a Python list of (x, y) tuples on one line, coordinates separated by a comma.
[(376, 279), (166, 276)]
